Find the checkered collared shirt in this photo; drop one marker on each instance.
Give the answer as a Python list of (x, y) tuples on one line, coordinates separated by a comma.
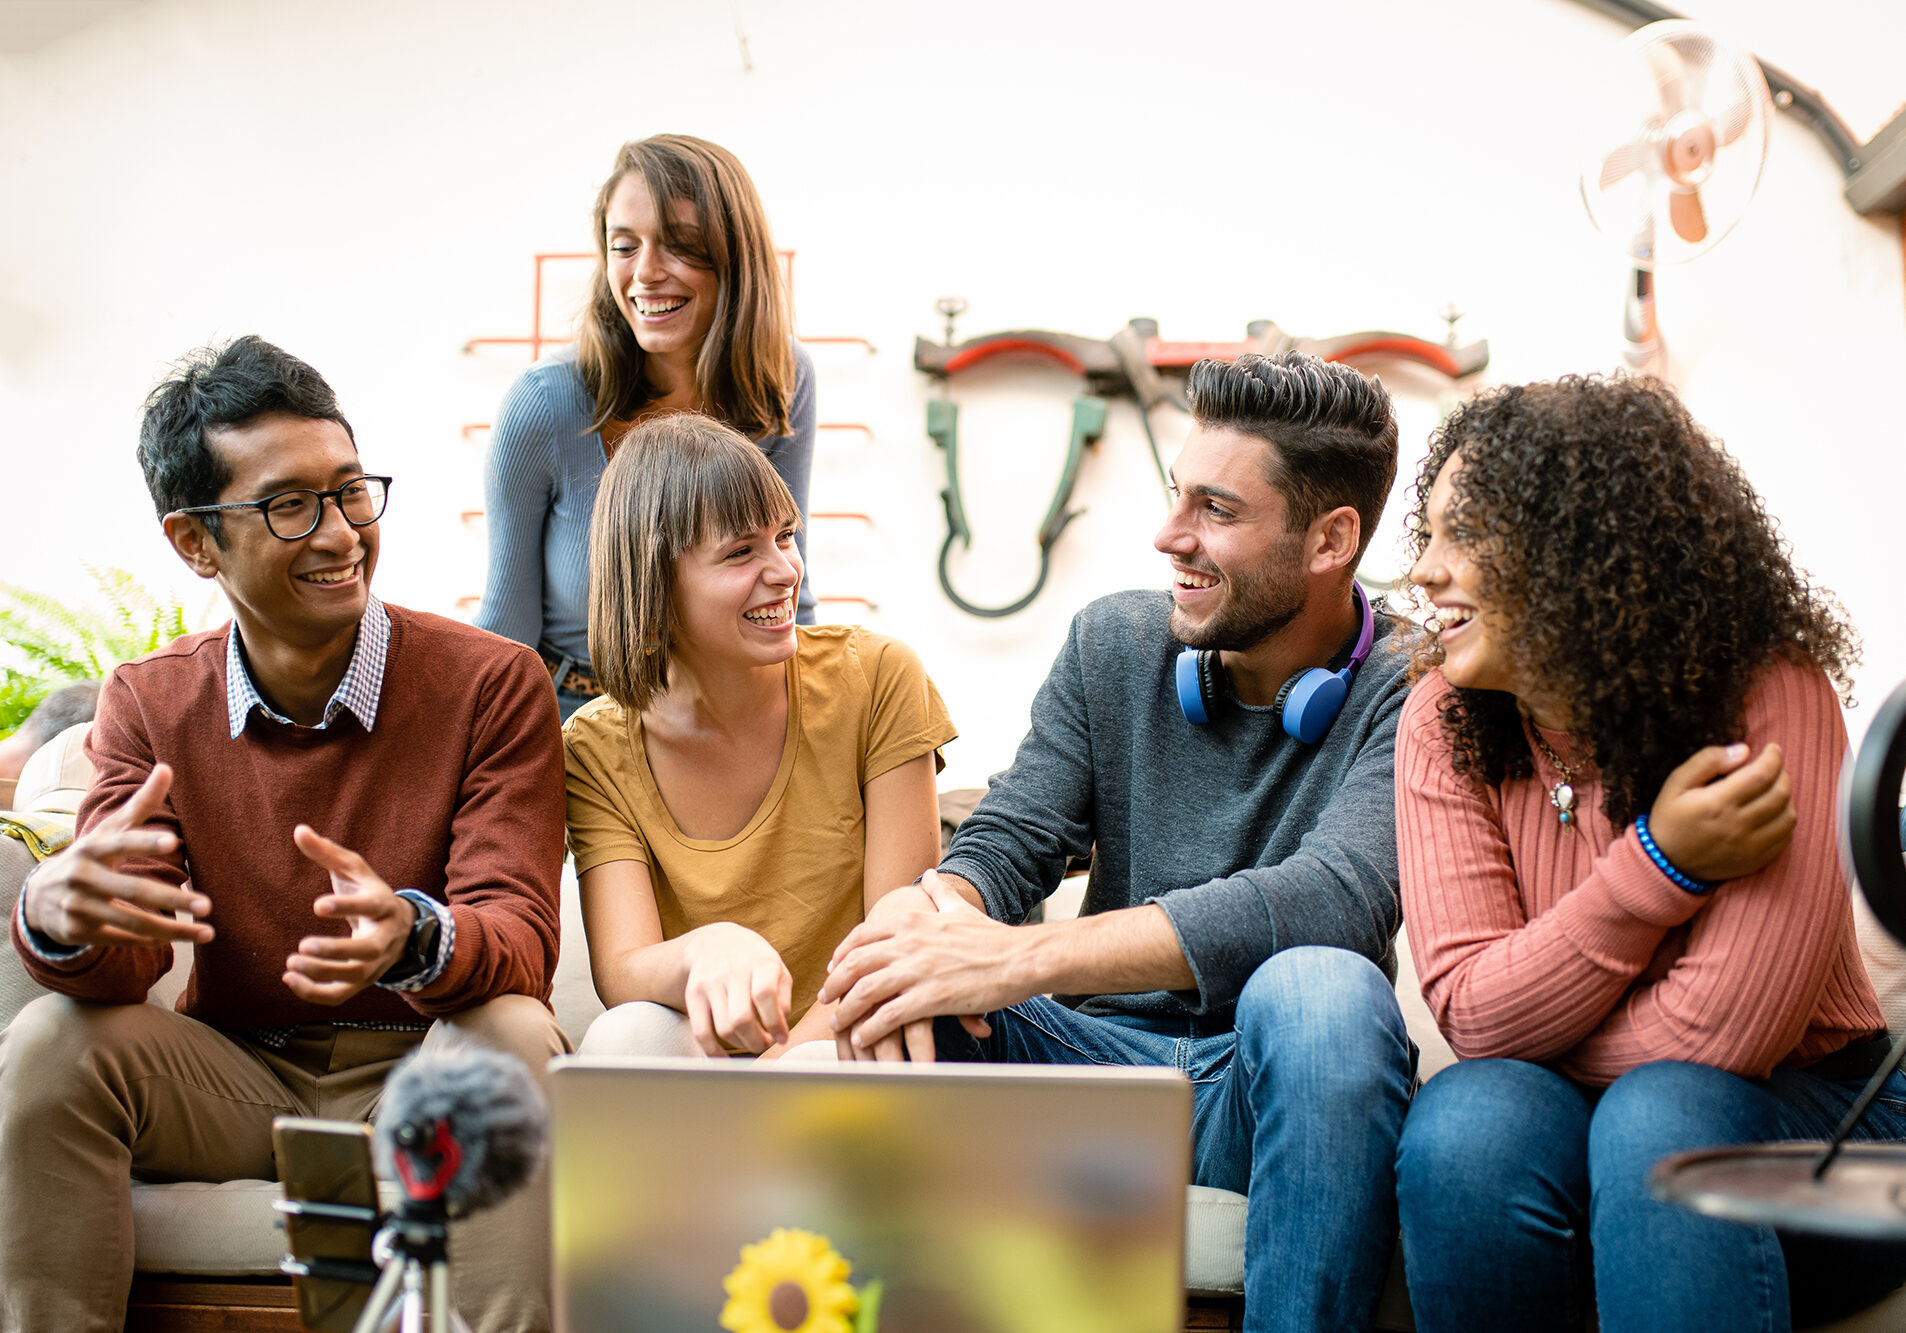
[(358, 691)]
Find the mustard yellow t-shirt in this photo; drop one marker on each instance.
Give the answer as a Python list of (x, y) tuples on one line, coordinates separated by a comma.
[(859, 705)]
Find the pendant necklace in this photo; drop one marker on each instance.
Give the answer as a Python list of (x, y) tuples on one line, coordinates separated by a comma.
[(1562, 794)]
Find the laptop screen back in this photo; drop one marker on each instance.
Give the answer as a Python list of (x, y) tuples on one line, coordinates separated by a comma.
[(954, 1199)]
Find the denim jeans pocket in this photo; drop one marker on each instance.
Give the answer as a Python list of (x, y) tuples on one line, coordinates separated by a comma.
[(1050, 1033), (1207, 1060)]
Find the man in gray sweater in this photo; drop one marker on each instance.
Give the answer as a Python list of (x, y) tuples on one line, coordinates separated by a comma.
[(1241, 916)]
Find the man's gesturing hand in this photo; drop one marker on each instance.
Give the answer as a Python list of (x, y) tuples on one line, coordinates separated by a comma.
[(330, 969), (79, 897), (906, 965)]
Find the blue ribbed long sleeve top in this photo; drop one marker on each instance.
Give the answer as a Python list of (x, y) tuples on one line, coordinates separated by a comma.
[(540, 483)]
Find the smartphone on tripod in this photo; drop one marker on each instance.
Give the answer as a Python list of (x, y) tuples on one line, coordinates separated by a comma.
[(331, 1215)]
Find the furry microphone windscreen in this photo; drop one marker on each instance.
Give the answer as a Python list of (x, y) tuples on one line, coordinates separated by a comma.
[(488, 1104)]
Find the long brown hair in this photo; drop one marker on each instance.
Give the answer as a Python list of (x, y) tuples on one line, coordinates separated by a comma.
[(676, 480), (744, 372)]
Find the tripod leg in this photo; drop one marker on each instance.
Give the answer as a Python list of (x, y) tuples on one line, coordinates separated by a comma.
[(383, 1301), (441, 1315), (1872, 1090), (413, 1297)]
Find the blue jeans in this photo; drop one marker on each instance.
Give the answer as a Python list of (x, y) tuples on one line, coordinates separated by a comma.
[(1298, 1108), (1524, 1202)]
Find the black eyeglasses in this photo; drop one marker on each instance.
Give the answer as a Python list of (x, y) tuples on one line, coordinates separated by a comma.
[(294, 515)]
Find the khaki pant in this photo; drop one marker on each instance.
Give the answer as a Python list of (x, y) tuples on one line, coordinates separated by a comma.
[(94, 1095)]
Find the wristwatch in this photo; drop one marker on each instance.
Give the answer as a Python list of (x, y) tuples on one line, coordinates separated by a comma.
[(420, 949)]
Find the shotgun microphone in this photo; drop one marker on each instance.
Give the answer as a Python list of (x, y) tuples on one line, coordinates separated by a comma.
[(460, 1128)]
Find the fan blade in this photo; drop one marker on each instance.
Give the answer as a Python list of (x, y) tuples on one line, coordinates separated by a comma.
[(1684, 211), (1670, 77), (1624, 161), (1680, 66), (1733, 122)]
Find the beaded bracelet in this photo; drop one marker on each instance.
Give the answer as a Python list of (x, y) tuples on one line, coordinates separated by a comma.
[(1663, 864)]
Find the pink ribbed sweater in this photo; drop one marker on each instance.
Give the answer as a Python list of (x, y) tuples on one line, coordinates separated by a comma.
[(1570, 949)]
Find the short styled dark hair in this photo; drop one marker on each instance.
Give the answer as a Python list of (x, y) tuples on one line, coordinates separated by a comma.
[(65, 707), (215, 387), (1332, 429)]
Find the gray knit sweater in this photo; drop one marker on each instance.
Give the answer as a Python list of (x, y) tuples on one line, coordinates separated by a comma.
[(1250, 841)]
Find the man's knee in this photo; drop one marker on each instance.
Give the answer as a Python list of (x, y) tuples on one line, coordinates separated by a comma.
[(1320, 995), (49, 1047), (1322, 1026), (515, 1024)]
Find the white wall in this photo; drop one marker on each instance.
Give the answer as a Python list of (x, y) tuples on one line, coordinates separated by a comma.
[(364, 183)]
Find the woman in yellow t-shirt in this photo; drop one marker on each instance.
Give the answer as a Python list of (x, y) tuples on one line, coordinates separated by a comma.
[(746, 788)]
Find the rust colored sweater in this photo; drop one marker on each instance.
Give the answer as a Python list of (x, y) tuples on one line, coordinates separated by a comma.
[(1571, 949), (457, 792)]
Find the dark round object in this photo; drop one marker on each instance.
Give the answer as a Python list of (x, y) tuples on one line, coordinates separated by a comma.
[(1870, 815), (787, 1305), (1863, 1193)]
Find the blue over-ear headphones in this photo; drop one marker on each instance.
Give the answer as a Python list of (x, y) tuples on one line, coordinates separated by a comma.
[(1309, 701)]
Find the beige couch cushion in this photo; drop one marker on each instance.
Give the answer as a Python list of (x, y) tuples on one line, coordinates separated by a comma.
[(229, 1229), (56, 775), (16, 988)]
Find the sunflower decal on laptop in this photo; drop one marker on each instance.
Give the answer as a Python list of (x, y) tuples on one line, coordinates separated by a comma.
[(794, 1282)]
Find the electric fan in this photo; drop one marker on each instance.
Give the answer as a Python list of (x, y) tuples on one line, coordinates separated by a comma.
[(1676, 157)]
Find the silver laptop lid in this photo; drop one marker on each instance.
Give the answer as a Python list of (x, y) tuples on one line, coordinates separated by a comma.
[(702, 1195)]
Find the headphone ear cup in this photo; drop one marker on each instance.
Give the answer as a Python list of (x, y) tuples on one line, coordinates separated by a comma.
[(1188, 675), (1310, 702), (1211, 682), (1284, 691)]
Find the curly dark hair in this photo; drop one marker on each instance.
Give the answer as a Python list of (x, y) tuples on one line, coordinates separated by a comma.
[(1644, 580)]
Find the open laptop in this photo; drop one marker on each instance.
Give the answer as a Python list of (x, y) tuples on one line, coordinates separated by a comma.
[(953, 1198)]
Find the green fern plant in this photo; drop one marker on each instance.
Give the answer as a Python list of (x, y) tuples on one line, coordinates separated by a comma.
[(52, 642)]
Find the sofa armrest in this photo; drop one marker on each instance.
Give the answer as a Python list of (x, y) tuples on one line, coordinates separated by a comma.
[(16, 988)]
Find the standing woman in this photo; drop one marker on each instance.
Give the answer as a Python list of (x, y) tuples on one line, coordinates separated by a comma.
[(687, 312), (748, 788), (1615, 807)]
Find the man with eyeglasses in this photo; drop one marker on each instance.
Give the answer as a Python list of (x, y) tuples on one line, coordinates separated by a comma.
[(352, 812)]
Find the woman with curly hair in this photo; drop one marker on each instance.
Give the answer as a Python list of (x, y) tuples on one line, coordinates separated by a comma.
[(687, 312), (1615, 806)]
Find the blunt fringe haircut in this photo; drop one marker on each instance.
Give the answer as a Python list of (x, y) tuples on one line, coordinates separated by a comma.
[(213, 388), (675, 481), (744, 373), (1333, 430)]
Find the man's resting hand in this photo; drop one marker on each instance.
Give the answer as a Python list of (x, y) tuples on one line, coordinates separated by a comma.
[(922, 952)]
